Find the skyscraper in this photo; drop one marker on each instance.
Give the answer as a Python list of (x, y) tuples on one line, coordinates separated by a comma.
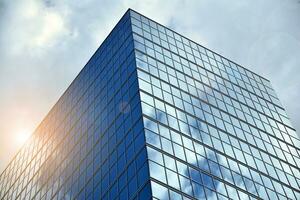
[(156, 115)]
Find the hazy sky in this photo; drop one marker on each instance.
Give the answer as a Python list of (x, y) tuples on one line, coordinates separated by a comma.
[(44, 44)]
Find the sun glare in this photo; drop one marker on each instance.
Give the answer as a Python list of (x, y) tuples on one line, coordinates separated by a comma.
[(22, 136)]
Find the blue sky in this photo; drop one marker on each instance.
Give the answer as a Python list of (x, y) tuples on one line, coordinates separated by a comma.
[(44, 44)]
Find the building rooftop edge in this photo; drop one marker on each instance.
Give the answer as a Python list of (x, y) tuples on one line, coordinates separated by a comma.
[(130, 9)]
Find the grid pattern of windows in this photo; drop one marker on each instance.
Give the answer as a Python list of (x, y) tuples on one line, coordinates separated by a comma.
[(91, 144), (155, 115), (213, 129)]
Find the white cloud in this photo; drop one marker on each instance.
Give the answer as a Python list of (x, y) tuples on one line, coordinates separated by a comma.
[(52, 27), (32, 26)]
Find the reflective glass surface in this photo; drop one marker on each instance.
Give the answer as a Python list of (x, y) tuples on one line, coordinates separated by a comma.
[(91, 145), (154, 115), (214, 130)]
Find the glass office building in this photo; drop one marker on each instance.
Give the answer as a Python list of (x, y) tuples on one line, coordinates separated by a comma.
[(154, 115)]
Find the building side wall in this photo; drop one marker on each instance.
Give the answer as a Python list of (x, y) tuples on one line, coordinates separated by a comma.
[(91, 144), (213, 128)]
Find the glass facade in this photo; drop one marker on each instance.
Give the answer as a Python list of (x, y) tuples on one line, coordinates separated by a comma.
[(91, 144), (214, 130), (153, 115)]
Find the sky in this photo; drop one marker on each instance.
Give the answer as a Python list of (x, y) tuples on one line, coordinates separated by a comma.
[(45, 43)]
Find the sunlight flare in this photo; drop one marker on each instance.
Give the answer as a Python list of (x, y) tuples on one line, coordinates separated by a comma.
[(22, 136)]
